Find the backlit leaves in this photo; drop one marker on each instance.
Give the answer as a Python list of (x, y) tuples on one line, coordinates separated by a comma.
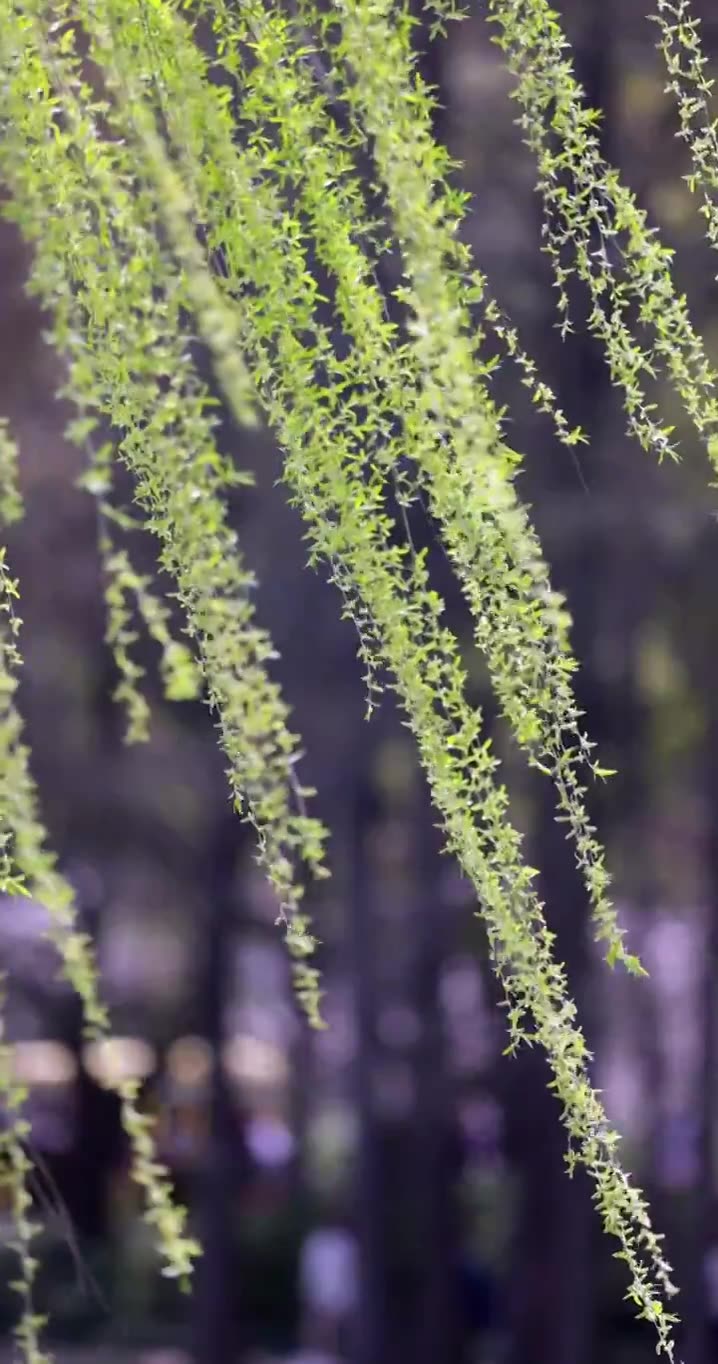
[(196, 189)]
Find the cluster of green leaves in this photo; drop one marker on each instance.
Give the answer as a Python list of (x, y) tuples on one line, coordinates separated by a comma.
[(10, 497), (329, 414), (436, 380), (680, 43), (131, 599), (196, 188), (593, 227), (127, 588), (128, 287)]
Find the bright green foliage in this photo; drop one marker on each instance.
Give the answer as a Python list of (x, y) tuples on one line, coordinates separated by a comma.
[(126, 587), (120, 580), (593, 228), (520, 621), (169, 446), (436, 381), (304, 391), (10, 499), (164, 220), (11, 879), (680, 45), (129, 594)]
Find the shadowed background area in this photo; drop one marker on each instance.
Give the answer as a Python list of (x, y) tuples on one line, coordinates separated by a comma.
[(391, 1190)]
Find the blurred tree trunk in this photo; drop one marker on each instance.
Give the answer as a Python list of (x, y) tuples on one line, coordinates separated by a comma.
[(550, 1297), (700, 1235), (407, 1166), (217, 1294), (700, 1344), (437, 1326), (697, 1344), (82, 1173), (373, 1193)]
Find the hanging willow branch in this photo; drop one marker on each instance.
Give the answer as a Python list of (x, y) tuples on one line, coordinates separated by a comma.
[(130, 599), (33, 871), (169, 446), (435, 381), (180, 189), (680, 45), (595, 230), (343, 502)]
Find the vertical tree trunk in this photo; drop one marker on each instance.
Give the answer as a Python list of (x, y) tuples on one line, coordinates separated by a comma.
[(437, 1328), (217, 1337), (551, 1292), (371, 1333), (83, 1172), (698, 1343)]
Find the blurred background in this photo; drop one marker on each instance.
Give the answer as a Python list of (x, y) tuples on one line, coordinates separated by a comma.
[(392, 1190)]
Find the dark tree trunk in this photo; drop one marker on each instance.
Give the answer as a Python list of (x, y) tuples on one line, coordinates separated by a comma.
[(436, 1325), (82, 1173), (698, 1343), (550, 1300), (372, 1191), (217, 1334)]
